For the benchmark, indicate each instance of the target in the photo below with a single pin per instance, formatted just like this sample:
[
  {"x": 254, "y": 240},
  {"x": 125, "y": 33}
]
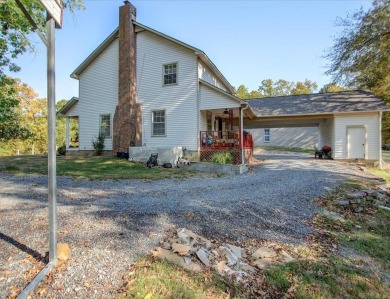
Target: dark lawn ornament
[{"x": 152, "y": 161}]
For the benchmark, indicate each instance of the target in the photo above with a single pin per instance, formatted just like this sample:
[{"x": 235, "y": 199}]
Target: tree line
[
  {"x": 23, "y": 120},
  {"x": 281, "y": 87}
]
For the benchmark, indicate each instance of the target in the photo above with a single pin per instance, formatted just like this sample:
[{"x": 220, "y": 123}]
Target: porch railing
[
  {"x": 224, "y": 140},
  {"x": 219, "y": 139}
]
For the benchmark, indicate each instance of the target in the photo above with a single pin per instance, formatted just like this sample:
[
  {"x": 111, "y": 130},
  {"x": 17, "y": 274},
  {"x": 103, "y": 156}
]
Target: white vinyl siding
[
  {"x": 213, "y": 99},
  {"x": 98, "y": 88},
  {"x": 326, "y": 134},
  {"x": 178, "y": 100},
  {"x": 287, "y": 137},
  {"x": 368, "y": 120},
  {"x": 206, "y": 75},
  {"x": 203, "y": 121}
]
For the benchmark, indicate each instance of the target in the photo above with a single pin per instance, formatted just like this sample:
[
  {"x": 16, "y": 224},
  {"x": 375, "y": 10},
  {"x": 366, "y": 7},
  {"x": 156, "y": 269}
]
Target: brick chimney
[{"x": 127, "y": 125}]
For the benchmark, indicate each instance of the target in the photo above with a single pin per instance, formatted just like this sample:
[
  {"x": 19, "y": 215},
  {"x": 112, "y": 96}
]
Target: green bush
[
  {"x": 222, "y": 158},
  {"x": 98, "y": 144},
  {"x": 61, "y": 150}
]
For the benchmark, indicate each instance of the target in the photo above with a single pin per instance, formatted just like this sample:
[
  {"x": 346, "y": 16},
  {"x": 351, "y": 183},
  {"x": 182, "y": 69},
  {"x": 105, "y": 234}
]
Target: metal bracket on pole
[{"x": 33, "y": 24}]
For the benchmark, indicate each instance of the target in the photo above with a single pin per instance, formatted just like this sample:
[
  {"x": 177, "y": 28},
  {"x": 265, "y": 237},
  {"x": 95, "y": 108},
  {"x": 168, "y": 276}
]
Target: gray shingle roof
[{"x": 318, "y": 103}]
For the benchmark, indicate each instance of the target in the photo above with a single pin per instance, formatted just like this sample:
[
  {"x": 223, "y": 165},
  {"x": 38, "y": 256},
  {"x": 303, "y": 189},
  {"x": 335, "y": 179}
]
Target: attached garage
[{"x": 349, "y": 121}]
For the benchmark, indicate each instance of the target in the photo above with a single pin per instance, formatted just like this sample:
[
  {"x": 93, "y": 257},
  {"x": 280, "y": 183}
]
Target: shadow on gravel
[
  {"x": 35, "y": 254},
  {"x": 274, "y": 201}
]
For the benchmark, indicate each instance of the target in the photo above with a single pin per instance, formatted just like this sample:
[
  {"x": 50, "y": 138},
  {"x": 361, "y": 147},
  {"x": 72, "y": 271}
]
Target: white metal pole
[{"x": 51, "y": 117}]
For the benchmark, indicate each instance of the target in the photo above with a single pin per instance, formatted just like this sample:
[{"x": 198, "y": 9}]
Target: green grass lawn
[
  {"x": 156, "y": 279},
  {"x": 385, "y": 172},
  {"x": 386, "y": 156},
  {"x": 101, "y": 168},
  {"x": 333, "y": 275},
  {"x": 259, "y": 149}
]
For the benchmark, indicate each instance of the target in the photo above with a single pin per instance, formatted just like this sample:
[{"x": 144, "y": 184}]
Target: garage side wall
[
  {"x": 370, "y": 121},
  {"x": 287, "y": 137},
  {"x": 326, "y": 133}
]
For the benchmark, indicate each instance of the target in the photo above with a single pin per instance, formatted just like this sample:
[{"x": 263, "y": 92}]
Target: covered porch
[
  {"x": 221, "y": 125},
  {"x": 223, "y": 132}
]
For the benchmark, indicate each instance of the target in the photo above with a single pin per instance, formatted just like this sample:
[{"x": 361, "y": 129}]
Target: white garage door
[{"x": 356, "y": 142}]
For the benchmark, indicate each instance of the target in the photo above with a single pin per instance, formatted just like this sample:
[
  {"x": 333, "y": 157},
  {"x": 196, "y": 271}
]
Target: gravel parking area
[{"x": 108, "y": 224}]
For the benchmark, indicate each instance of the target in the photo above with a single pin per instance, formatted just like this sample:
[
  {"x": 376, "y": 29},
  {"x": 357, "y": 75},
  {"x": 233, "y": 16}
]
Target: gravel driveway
[{"x": 108, "y": 224}]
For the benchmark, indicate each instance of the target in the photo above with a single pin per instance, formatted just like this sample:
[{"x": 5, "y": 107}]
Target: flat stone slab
[
  {"x": 342, "y": 202},
  {"x": 181, "y": 249},
  {"x": 356, "y": 195},
  {"x": 247, "y": 268},
  {"x": 174, "y": 258},
  {"x": 333, "y": 215},
  {"x": 264, "y": 263},
  {"x": 370, "y": 192},
  {"x": 203, "y": 257},
  {"x": 231, "y": 258},
  {"x": 264, "y": 252},
  {"x": 236, "y": 250},
  {"x": 355, "y": 201}
]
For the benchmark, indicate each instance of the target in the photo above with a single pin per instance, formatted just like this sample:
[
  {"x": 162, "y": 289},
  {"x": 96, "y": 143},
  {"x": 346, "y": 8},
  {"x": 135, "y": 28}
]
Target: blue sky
[{"x": 247, "y": 40}]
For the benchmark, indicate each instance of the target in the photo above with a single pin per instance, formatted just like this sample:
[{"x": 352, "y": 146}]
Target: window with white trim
[
  {"x": 105, "y": 125},
  {"x": 170, "y": 73},
  {"x": 267, "y": 135},
  {"x": 158, "y": 123}
]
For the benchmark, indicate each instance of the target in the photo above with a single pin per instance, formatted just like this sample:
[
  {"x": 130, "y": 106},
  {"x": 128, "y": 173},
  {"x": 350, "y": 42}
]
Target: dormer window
[{"x": 170, "y": 73}]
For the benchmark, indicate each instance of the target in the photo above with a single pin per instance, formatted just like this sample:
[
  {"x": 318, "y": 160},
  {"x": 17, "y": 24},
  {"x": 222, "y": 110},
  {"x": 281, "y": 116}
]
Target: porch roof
[
  {"x": 318, "y": 103},
  {"x": 67, "y": 106},
  {"x": 240, "y": 103}
]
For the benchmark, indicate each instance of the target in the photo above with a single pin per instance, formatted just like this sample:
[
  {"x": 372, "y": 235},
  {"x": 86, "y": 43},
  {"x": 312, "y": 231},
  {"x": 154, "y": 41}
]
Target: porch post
[{"x": 67, "y": 143}]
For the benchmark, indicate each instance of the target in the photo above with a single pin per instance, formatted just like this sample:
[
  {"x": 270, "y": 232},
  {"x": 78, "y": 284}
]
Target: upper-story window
[
  {"x": 267, "y": 135},
  {"x": 170, "y": 73}
]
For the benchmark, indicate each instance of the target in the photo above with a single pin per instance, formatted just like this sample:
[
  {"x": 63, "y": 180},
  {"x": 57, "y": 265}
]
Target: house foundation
[{"x": 165, "y": 154}]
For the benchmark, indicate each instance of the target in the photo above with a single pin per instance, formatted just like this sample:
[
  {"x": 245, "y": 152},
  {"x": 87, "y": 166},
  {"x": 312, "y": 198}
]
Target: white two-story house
[{"x": 147, "y": 91}]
